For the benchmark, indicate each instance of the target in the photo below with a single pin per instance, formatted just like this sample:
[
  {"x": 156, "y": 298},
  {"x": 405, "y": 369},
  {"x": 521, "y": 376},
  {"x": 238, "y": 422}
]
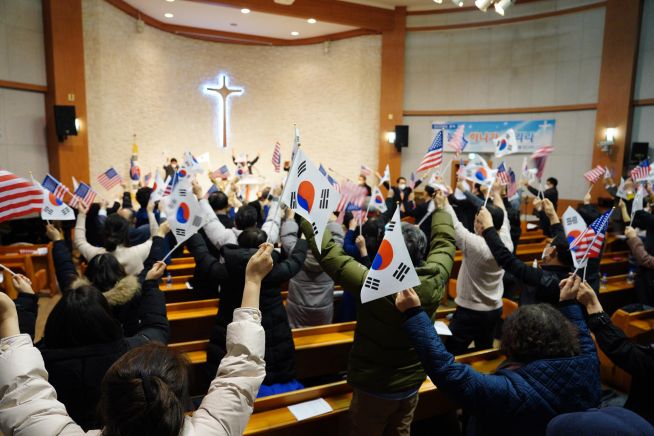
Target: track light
[
  {"x": 502, "y": 5},
  {"x": 483, "y": 5}
]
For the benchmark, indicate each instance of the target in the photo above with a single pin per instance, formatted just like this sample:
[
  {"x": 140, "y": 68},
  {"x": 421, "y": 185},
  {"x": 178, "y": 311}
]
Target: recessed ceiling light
[
  {"x": 245, "y": 11},
  {"x": 294, "y": 33},
  {"x": 168, "y": 15},
  {"x": 311, "y": 21},
  {"x": 438, "y": 1},
  {"x": 170, "y": 1}
]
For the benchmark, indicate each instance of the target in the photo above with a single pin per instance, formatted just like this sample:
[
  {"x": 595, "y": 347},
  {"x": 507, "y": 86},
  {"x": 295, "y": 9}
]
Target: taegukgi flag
[
  {"x": 574, "y": 225},
  {"x": 54, "y": 209},
  {"x": 377, "y": 201},
  {"x": 184, "y": 213},
  {"x": 392, "y": 269},
  {"x": 310, "y": 195}
]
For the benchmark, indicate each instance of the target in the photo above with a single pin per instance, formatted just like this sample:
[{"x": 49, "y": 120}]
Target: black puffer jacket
[{"x": 280, "y": 350}]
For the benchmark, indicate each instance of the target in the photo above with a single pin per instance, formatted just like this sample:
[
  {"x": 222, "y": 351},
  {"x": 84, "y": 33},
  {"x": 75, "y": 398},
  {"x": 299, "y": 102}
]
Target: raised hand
[
  {"x": 484, "y": 220},
  {"x": 157, "y": 271},
  {"x": 260, "y": 264},
  {"x": 406, "y": 300},
  {"x": 8, "y": 317},
  {"x": 569, "y": 288},
  {"x": 22, "y": 284},
  {"x": 630, "y": 232},
  {"x": 587, "y": 296},
  {"x": 163, "y": 230},
  {"x": 53, "y": 233}
]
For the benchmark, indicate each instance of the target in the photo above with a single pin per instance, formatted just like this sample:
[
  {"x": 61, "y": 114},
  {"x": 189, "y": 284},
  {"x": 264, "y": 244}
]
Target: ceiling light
[
  {"x": 483, "y": 5},
  {"x": 294, "y": 33},
  {"x": 438, "y": 1},
  {"x": 502, "y": 5},
  {"x": 170, "y": 1},
  {"x": 311, "y": 21},
  {"x": 168, "y": 15},
  {"x": 459, "y": 3},
  {"x": 245, "y": 11}
]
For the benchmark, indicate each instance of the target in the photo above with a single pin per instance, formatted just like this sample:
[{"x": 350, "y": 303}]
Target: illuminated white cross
[{"x": 224, "y": 91}]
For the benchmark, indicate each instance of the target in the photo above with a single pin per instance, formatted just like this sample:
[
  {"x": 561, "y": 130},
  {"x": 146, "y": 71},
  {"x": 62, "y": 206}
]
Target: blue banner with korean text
[{"x": 479, "y": 136}]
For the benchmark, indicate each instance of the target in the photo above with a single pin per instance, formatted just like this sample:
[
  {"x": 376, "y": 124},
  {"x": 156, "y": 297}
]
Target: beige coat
[{"x": 29, "y": 406}]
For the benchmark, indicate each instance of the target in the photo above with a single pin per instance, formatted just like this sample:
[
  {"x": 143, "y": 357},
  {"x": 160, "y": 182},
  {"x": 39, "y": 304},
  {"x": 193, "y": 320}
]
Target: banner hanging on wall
[{"x": 480, "y": 135}]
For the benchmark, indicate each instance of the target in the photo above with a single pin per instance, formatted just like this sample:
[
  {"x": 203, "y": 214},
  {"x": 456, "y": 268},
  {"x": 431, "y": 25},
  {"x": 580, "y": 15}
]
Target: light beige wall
[
  {"x": 643, "y": 121},
  {"x": 149, "y": 84}
]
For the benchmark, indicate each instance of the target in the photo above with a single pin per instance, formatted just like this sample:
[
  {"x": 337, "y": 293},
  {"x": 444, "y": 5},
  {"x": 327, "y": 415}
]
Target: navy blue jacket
[{"x": 516, "y": 400}]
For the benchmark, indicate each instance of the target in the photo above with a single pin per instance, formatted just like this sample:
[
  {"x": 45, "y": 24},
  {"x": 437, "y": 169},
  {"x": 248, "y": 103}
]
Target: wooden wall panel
[
  {"x": 392, "y": 92},
  {"x": 64, "y": 45},
  {"x": 617, "y": 75}
]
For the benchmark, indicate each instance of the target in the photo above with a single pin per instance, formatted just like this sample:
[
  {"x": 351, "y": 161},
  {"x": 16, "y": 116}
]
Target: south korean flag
[
  {"x": 184, "y": 213},
  {"x": 309, "y": 193},
  {"x": 392, "y": 270},
  {"x": 54, "y": 209},
  {"x": 377, "y": 201},
  {"x": 574, "y": 225}
]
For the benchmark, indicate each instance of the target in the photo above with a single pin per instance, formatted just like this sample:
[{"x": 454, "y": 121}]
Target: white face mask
[{"x": 402, "y": 186}]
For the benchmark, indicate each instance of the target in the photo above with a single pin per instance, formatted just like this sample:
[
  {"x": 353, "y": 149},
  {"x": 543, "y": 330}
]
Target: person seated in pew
[
  {"x": 536, "y": 284},
  {"x": 230, "y": 276},
  {"x": 383, "y": 369},
  {"x": 310, "y": 299},
  {"x": 551, "y": 367},
  {"x": 116, "y": 240},
  {"x": 637, "y": 360},
  {"x": 479, "y": 286},
  {"x": 145, "y": 392},
  {"x": 607, "y": 421}
]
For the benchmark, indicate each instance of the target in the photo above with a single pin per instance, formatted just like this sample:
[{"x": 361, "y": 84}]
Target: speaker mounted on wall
[
  {"x": 401, "y": 137},
  {"x": 65, "y": 122}
]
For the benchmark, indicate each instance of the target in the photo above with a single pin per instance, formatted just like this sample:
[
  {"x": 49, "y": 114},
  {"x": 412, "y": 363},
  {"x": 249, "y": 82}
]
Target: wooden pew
[
  {"x": 191, "y": 318},
  {"x": 35, "y": 261},
  {"x": 272, "y": 417},
  {"x": 634, "y": 324}
]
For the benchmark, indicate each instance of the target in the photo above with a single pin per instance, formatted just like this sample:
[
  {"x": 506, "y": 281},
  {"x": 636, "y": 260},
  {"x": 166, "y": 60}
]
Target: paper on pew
[
  {"x": 309, "y": 409},
  {"x": 188, "y": 285},
  {"x": 442, "y": 329},
  {"x": 531, "y": 226}
]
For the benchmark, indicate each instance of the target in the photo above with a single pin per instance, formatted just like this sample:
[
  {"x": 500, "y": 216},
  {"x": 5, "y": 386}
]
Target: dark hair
[
  {"x": 497, "y": 214},
  {"x": 246, "y": 217},
  {"x": 363, "y": 176},
  {"x": 373, "y": 232},
  {"x": 539, "y": 331},
  {"x": 143, "y": 196},
  {"x": 218, "y": 200},
  {"x": 172, "y": 159},
  {"x": 588, "y": 213},
  {"x": 400, "y": 178},
  {"x": 116, "y": 232},
  {"x": 252, "y": 237},
  {"x": 104, "y": 271},
  {"x": 553, "y": 181},
  {"x": 82, "y": 317},
  {"x": 562, "y": 250},
  {"x": 416, "y": 242},
  {"x": 144, "y": 393}
]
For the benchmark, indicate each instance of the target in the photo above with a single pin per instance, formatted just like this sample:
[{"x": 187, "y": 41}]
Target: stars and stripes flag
[
  {"x": 53, "y": 208},
  {"x": 330, "y": 179},
  {"x": 594, "y": 174},
  {"x": 502, "y": 175},
  {"x": 110, "y": 178},
  {"x": 540, "y": 158},
  {"x": 351, "y": 194},
  {"x": 460, "y": 173},
  {"x": 574, "y": 225},
  {"x": 434, "y": 156},
  {"x": 171, "y": 181},
  {"x": 55, "y": 186},
  {"x": 457, "y": 141},
  {"x": 641, "y": 171},
  {"x": 18, "y": 197},
  {"x": 365, "y": 171},
  {"x": 147, "y": 178},
  {"x": 512, "y": 187},
  {"x": 220, "y": 173},
  {"x": 277, "y": 157},
  {"x": 84, "y": 195},
  {"x": 590, "y": 240}
]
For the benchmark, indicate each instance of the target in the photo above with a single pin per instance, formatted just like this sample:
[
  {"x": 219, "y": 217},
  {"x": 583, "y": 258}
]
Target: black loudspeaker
[
  {"x": 401, "y": 137},
  {"x": 65, "y": 122},
  {"x": 639, "y": 152}
]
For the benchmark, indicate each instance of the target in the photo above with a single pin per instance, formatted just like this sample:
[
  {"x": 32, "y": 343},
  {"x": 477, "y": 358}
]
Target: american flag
[
  {"x": 18, "y": 196},
  {"x": 462, "y": 169},
  {"x": 365, "y": 171},
  {"x": 147, "y": 178},
  {"x": 332, "y": 181},
  {"x": 540, "y": 157},
  {"x": 512, "y": 187},
  {"x": 277, "y": 157},
  {"x": 84, "y": 194},
  {"x": 590, "y": 240},
  {"x": 351, "y": 194},
  {"x": 434, "y": 156},
  {"x": 220, "y": 173},
  {"x": 172, "y": 181},
  {"x": 502, "y": 175},
  {"x": 55, "y": 186},
  {"x": 457, "y": 141},
  {"x": 109, "y": 179},
  {"x": 594, "y": 174},
  {"x": 641, "y": 171}
]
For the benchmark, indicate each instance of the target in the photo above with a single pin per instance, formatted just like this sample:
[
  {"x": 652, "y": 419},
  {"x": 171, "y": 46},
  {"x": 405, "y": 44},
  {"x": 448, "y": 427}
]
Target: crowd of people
[{"x": 102, "y": 365}]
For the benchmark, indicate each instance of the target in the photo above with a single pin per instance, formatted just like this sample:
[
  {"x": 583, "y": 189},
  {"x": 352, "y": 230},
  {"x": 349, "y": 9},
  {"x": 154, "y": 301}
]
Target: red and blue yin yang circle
[
  {"x": 384, "y": 256},
  {"x": 574, "y": 234},
  {"x": 183, "y": 213},
  {"x": 481, "y": 174},
  {"x": 379, "y": 199},
  {"x": 54, "y": 200},
  {"x": 305, "y": 195},
  {"x": 503, "y": 144},
  {"x": 182, "y": 173}
]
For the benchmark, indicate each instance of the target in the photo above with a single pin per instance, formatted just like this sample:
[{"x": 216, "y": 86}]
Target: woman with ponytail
[{"x": 145, "y": 392}]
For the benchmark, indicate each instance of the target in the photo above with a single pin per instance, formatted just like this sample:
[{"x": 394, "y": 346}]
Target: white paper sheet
[
  {"x": 309, "y": 409},
  {"x": 442, "y": 328}
]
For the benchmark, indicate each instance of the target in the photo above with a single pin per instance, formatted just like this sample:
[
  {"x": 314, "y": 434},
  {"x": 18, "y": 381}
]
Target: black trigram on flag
[
  {"x": 390, "y": 226},
  {"x": 372, "y": 283},
  {"x": 324, "y": 198},
  {"x": 180, "y": 232},
  {"x": 293, "y": 200},
  {"x": 315, "y": 229},
  {"x": 401, "y": 272},
  {"x": 48, "y": 210},
  {"x": 182, "y": 192},
  {"x": 301, "y": 168},
  {"x": 197, "y": 221},
  {"x": 65, "y": 211}
]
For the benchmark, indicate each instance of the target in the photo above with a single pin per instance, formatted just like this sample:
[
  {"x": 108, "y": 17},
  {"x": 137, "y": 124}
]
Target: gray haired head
[{"x": 416, "y": 242}]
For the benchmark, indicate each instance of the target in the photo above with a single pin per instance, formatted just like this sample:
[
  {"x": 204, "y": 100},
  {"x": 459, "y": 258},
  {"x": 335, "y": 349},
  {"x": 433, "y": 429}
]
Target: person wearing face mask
[
  {"x": 364, "y": 184},
  {"x": 539, "y": 285},
  {"x": 550, "y": 192},
  {"x": 402, "y": 195}
]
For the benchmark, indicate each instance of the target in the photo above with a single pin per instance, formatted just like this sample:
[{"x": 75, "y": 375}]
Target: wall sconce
[
  {"x": 609, "y": 140},
  {"x": 78, "y": 124},
  {"x": 390, "y": 137}
]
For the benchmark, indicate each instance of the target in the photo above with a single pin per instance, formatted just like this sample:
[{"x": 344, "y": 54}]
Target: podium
[{"x": 251, "y": 183}]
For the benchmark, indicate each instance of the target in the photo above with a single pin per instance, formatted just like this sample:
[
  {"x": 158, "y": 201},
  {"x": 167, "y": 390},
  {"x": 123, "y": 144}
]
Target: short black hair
[
  {"x": 246, "y": 217},
  {"x": 218, "y": 200},
  {"x": 252, "y": 237},
  {"x": 143, "y": 196},
  {"x": 116, "y": 232},
  {"x": 104, "y": 271},
  {"x": 562, "y": 250},
  {"x": 173, "y": 160},
  {"x": 400, "y": 178},
  {"x": 553, "y": 181}
]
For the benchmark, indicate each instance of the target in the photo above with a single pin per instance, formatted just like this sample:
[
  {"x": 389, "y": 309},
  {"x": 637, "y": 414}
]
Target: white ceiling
[
  {"x": 412, "y": 5},
  {"x": 206, "y": 16}
]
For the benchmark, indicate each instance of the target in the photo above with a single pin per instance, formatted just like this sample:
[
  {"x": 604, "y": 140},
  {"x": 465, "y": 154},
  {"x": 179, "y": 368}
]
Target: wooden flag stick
[
  {"x": 8, "y": 270},
  {"x": 171, "y": 251}
]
